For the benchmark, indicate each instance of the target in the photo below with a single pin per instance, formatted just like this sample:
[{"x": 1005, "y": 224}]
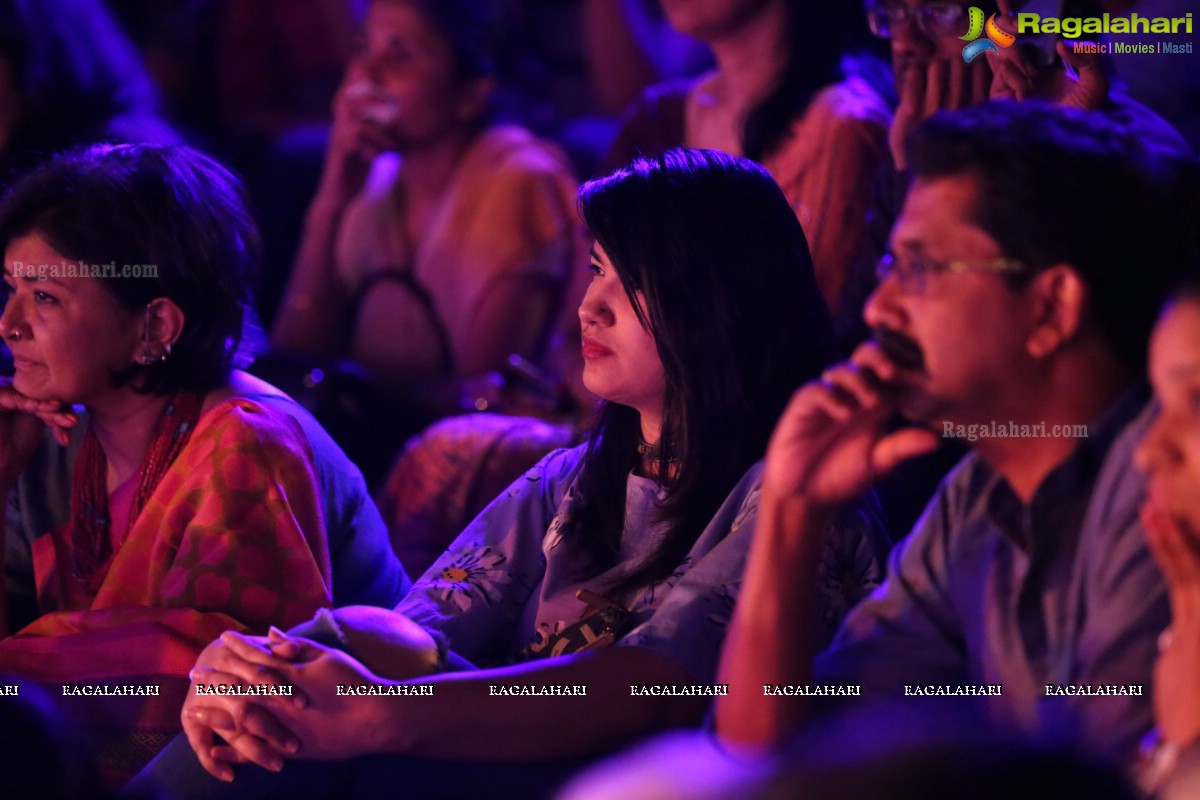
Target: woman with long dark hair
[{"x": 613, "y": 564}]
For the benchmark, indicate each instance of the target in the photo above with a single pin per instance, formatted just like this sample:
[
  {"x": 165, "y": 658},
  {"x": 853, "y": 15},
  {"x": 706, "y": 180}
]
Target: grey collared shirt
[{"x": 1057, "y": 592}]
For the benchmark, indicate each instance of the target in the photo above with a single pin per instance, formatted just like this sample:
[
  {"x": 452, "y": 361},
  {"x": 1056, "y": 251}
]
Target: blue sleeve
[
  {"x": 472, "y": 597},
  {"x": 689, "y": 626},
  {"x": 365, "y": 569},
  {"x": 907, "y": 630}
]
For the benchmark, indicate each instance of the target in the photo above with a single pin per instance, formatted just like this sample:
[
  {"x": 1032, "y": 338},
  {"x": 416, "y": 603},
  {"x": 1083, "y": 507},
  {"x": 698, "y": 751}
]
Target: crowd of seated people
[
  {"x": 807, "y": 101},
  {"x": 1000, "y": 304},
  {"x": 809, "y": 301},
  {"x": 635, "y": 539},
  {"x": 778, "y": 95}
]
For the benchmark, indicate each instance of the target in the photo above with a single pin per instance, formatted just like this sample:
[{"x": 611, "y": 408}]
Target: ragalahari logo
[{"x": 996, "y": 38}]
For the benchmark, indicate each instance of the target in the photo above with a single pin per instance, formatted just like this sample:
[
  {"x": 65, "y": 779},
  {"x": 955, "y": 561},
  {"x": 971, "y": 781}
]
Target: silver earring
[{"x": 149, "y": 357}]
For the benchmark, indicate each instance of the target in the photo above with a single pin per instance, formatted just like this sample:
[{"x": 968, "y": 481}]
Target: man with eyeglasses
[
  {"x": 931, "y": 74},
  {"x": 1026, "y": 269},
  {"x": 927, "y": 62}
]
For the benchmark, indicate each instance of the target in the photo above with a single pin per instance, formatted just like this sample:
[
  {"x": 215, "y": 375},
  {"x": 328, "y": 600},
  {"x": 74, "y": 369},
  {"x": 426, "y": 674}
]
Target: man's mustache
[{"x": 902, "y": 350}]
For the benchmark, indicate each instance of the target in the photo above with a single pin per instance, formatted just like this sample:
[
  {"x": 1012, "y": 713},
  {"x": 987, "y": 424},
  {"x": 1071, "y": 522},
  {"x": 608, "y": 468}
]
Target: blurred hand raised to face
[
  {"x": 927, "y": 62},
  {"x": 830, "y": 444},
  {"x": 362, "y": 114},
  {"x": 932, "y": 75}
]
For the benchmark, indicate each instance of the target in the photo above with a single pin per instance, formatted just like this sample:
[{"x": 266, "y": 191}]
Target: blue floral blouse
[{"x": 508, "y": 582}]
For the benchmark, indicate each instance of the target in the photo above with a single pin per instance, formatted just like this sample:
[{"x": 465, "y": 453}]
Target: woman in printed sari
[
  {"x": 157, "y": 495},
  {"x": 609, "y": 565}
]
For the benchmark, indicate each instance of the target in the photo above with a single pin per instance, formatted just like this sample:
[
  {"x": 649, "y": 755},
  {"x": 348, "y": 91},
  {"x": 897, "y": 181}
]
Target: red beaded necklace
[{"x": 91, "y": 539}]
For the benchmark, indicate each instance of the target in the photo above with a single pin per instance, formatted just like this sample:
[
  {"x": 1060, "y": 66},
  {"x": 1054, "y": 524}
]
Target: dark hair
[
  {"x": 1062, "y": 186},
  {"x": 75, "y": 71},
  {"x": 469, "y": 27},
  {"x": 738, "y": 321},
  {"x": 820, "y": 34},
  {"x": 166, "y": 206}
]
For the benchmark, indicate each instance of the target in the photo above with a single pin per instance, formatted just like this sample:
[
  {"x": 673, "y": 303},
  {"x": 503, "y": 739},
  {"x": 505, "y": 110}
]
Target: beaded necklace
[
  {"x": 91, "y": 540},
  {"x": 653, "y": 452}
]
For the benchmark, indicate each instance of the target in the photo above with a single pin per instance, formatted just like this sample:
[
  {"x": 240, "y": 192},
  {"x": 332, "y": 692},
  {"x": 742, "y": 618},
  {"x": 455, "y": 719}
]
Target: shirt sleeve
[
  {"x": 837, "y": 198},
  {"x": 906, "y": 631},
  {"x": 516, "y": 256},
  {"x": 364, "y": 568},
  {"x": 472, "y": 597},
  {"x": 689, "y": 625},
  {"x": 1117, "y": 645}
]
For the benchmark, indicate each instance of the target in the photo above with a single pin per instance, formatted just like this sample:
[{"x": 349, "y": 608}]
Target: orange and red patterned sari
[{"x": 232, "y": 537}]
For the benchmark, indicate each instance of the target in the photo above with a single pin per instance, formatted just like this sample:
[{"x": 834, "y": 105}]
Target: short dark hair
[
  {"x": 1063, "y": 186},
  {"x": 167, "y": 206},
  {"x": 713, "y": 246}
]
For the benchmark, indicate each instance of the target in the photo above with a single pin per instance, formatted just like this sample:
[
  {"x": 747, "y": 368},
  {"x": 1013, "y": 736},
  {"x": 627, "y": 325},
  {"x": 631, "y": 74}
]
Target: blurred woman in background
[
  {"x": 437, "y": 244},
  {"x": 785, "y": 93}
]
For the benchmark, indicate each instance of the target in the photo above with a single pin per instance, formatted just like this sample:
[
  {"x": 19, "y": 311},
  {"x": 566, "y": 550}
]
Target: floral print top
[{"x": 508, "y": 583}]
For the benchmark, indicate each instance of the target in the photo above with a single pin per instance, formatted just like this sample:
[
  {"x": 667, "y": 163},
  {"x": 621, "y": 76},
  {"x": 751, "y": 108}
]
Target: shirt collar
[{"x": 1071, "y": 476}]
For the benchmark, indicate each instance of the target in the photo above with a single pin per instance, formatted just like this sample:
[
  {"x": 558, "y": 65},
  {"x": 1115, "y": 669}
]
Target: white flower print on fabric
[
  {"x": 846, "y": 573},
  {"x": 470, "y": 575},
  {"x": 554, "y": 535}
]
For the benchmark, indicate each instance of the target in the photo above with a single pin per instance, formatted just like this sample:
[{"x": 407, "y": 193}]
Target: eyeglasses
[
  {"x": 912, "y": 273},
  {"x": 933, "y": 19}
]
